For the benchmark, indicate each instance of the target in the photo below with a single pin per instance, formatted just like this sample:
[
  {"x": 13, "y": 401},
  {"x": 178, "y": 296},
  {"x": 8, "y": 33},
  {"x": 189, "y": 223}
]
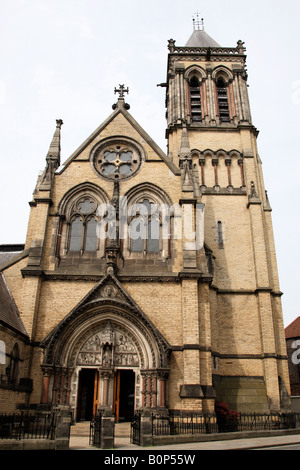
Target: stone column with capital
[
  {"x": 106, "y": 375},
  {"x": 47, "y": 372},
  {"x": 107, "y": 420}
]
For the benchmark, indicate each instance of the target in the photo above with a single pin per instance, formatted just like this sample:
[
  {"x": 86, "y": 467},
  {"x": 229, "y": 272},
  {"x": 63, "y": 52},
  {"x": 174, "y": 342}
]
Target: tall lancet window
[
  {"x": 223, "y": 101},
  {"x": 83, "y": 225},
  {"x": 195, "y": 99},
  {"x": 145, "y": 228}
]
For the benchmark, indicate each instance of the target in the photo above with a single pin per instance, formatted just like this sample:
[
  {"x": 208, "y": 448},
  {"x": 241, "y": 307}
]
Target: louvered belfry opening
[
  {"x": 223, "y": 101},
  {"x": 195, "y": 95}
]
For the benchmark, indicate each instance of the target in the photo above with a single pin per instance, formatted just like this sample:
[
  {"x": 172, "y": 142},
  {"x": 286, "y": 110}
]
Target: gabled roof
[
  {"x": 293, "y": 329},
  {"x": 121, "y": 107},
  {"x": 108, "y": 292},
  {"x": 200, "y": 38},
  {"x": 9, "y": 313}
]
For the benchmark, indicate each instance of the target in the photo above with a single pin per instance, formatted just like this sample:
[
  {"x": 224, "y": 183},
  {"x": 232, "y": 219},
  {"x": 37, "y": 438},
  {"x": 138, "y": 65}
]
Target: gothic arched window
[
  {"x": 79, "y": 228},
  {"x": 83, "y": 226},
  {"x": 149, "y": 223},
  {"x": 195, "y": 99},
  {"x": 223, "y": 100},
  {"x": 145, "y": 228}
]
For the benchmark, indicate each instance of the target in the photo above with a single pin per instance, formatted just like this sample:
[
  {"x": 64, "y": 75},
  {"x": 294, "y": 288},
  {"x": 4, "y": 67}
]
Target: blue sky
[{"x": 62, "y": 59}]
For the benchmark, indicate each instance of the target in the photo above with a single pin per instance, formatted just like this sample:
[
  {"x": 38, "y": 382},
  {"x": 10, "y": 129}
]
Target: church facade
[{"x": 149, "y": 279}]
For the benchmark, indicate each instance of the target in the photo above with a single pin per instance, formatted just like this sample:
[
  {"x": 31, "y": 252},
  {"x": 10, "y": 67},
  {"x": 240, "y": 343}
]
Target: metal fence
[
  {"x": 27, "y": 426},
  {"x": 196, "y": 423},
  {"x": 135, "y": 430},
  {"x": 95, "y": 430},
  {"x": 187, "y": 423}
]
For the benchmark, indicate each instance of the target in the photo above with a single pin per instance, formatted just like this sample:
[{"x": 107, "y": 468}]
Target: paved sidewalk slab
[{"x": 80, "y": 441}]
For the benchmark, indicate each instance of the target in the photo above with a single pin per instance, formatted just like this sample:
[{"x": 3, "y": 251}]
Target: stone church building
[{"x": 149, "y": 279}]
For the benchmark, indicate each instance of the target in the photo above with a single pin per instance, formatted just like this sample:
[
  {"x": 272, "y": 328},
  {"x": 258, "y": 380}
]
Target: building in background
[
  {"x": 149, "y": 279},
  {"x": 292, "y": 335}
]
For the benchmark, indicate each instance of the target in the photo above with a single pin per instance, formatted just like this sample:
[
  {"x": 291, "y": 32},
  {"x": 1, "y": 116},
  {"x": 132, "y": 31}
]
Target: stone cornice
[
  {"x": 176, "y": 277},
  {"x": 256, "y": 291}
]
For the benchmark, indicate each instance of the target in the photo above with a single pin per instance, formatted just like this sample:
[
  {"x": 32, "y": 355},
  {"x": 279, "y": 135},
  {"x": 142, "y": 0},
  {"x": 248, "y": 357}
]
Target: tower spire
[{"x": 52, "y": 158}]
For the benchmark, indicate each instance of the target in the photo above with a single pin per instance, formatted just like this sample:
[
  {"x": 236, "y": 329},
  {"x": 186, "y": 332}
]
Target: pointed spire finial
[
  {"x": 121, "y": 90},
  {"x": 121, "y": 101},
  {"x": 52, "y": 158},
  {"x": 198, "y": 24}
]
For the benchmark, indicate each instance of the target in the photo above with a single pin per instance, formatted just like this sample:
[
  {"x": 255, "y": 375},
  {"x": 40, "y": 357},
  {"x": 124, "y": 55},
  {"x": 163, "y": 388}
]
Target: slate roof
[
  {"x": 200, "y": 38},
  {"x": 293, "y": 329},
  {"x": 9, "y": 313},
  {"x": 7, "y": 252}
]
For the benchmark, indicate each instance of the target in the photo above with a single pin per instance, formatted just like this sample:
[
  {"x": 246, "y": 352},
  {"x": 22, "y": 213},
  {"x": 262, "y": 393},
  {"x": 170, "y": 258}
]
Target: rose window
[{"x": 117, "y": 162}]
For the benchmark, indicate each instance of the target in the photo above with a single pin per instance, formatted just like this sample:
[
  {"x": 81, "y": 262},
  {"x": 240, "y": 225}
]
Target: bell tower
[
  {"x": 206, "y": 88},
  {"x": 212, "y": 139}
]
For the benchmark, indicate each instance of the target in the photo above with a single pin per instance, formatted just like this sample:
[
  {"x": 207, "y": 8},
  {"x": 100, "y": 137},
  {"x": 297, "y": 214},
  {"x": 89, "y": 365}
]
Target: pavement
[{"x": 79, "y": 440}]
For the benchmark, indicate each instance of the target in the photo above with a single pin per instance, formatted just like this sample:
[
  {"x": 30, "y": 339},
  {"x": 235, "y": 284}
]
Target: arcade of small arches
[
  {"x": 222, "y": 79},
  {"x": 219, "y": 169},
  {"x": 207, "y": 96}
]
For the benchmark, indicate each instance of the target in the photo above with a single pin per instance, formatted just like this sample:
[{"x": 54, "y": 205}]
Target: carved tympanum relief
[{"x": 108, "y": 348}]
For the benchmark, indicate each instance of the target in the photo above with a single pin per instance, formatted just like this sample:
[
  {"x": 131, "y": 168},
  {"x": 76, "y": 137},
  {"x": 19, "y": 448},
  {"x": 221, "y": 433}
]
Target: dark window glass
[
  {"x": 126, "y": 156},
  {"x": 76, "y": 234},
  {"x": 109, "y": 170},
  {"x": 110, "y": 156},
  {"x": 124, "y": 169},
  {"x": 195, "y": 97},
  {"x": 91, "y": 236},
  {"x": 223, "y": 101},
  {"x": 220, "y": 234},
  {"x": 137, "y": 234},
  {"x": 153, "y": 235}
]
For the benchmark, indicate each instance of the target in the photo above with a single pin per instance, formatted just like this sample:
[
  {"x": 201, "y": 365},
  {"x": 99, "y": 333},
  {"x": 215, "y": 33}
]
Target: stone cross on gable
[{"x": 121, "y": 90}]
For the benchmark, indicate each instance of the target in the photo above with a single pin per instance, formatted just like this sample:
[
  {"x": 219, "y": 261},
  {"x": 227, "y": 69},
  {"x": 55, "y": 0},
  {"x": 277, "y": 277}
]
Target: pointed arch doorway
[{"x": 108, "y": 352}]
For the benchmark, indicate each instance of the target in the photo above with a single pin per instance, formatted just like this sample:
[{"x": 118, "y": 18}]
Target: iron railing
[
  {"x": 95, "y": 430},
  {"x": 135, "y": 429},
  {"x": 27, "y": 426},
  {"x": 197, "y": 423},
  {"x": 187, "y": 423}
]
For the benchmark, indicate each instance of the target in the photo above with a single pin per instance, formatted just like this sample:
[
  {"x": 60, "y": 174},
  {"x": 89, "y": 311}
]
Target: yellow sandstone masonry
[{"x": 171, "y": 324}]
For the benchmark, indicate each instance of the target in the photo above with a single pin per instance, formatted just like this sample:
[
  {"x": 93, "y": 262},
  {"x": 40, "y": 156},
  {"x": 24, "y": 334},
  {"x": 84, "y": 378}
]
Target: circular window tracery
[{"x": 117, "y": 160}]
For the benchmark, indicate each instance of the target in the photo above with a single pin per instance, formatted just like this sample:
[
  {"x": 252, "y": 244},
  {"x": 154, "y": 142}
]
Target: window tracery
[
  {"x": 79, "y": 219},
  {"x": 117, "y": 158},
  {"x": 83, "y": 225},
  {"x": 149, "y": 223},
  {"x": 145, "y": 228}
]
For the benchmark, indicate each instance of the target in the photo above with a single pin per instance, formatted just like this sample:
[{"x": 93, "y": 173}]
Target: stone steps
[{"x": 82, "y": 429}]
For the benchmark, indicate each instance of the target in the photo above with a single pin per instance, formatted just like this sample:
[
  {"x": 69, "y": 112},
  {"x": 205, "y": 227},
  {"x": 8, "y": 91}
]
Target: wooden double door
[
  {"x": 89, "y": 394},
  {"x": 123, "y": 404}
]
